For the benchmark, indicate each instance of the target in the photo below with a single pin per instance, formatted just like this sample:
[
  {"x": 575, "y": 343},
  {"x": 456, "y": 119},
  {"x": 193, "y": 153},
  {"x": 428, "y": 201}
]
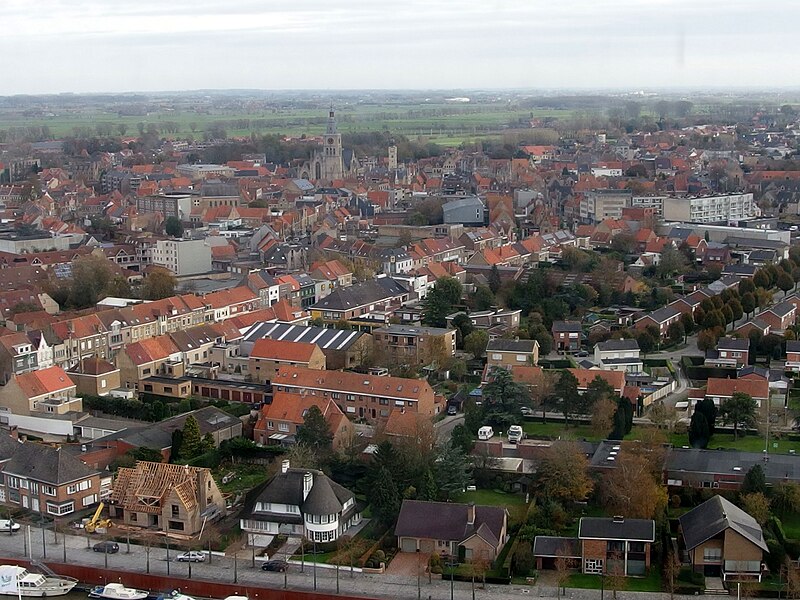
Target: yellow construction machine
[{"x": 96, "y": 523}]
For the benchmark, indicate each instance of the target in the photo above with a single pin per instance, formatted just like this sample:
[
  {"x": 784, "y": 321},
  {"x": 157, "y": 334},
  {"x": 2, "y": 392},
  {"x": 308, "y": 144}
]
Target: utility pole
[
  {"x": 44, "y": 547},
  {"x": 167, "y": 556},
  {"x": 314, "y": 564}
]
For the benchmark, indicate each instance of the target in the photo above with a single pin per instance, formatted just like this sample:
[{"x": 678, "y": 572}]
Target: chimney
[
  {"x": 471, "y": 513},
  {"x": 284, "y": 466},
  {"x": 308, "y": 481}
]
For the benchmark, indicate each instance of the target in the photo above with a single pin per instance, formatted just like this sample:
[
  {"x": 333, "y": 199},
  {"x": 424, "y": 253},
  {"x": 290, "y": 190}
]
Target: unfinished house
[{"x": 175, "y": 499}]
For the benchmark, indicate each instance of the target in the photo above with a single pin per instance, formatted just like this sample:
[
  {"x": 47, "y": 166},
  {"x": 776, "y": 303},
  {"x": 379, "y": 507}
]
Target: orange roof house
[
  {"x": 279, "y": 421},
  {"x": 48, "y": 391}
]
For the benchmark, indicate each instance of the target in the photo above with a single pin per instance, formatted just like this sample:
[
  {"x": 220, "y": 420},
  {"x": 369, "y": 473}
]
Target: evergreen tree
[
  {"x": 623, "y": 419},
  {"x": 739, "y": 409},
  {"x": 569, "y": 400},
  {"x": 755, "y": 481},
  {"x": 441, "y": 301},
  {"x": 385, "y": 497},
  {"x": 453, "y": 471},
  {"x": 709, "y": 410},
  {"x": 175, "y": 447},
  {"x": 191, "y": 444},
  {"x": 494, "y": 279},
  {"x": 315, "y": 432},
  {"x": 462, "y": 438},
  {"x": 503, "y": 398},
  {"x": 698, "y": 430}
]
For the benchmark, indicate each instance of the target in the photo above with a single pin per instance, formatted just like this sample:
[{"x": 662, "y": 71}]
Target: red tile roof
[
  {"x": 44, "y": 381},
  {"x": 756, "y": 388},
  {"x": 268, "y": 349}
]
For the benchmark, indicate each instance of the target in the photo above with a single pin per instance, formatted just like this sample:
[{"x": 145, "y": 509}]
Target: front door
[{"x": 35, "y": 504}]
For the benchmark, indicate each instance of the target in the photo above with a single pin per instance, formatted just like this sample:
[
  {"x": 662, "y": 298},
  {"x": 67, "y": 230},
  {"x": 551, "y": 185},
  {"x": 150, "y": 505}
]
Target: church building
[{"x": 330, "y": 162}]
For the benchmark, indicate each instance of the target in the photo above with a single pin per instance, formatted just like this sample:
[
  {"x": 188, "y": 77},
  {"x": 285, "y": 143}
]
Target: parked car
[
  {"x": 191, "y": 556},
  {"x": 485, "y": 433},
  {"x": 452, "y": 410},
  {"x": 107, "y": 547},
  {"x": 275, "y": 565},
  {"x": 527, "y": 411},
  {"x": 8, "y": 525},
  {"x": 515, "y": 434}
]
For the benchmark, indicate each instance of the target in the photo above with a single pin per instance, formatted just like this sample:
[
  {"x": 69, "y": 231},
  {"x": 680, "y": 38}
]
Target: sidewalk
[{"x": 225, "y": 569}]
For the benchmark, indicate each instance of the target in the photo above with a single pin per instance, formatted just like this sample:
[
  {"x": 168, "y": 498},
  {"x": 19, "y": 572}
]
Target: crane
[{"x": 96, "y": 522}]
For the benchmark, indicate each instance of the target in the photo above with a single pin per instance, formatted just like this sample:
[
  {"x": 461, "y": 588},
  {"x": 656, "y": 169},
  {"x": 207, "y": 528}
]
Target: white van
[
  {"x": 8, "y": 525},
  {"x": 515, "y": 434},
  {"x": 485, "y": 433}
]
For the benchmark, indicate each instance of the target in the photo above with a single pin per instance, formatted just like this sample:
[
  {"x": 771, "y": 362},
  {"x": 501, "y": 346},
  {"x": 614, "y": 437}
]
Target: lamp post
[
  {"x": 167, "y": 556},
  {"x": 235, "y": 569},
  {"x": 314, "y": 564},
  {"x": 419, "y": 587},
  {"x": 44, "y": 547}
]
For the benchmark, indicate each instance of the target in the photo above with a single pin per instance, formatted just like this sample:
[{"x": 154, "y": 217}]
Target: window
[
  {"x": 49, "y": 490},
  {"x": 712, "y": 554},
  {"x": 133, "y": 517},
  {"x": 283, "y": 427},
  {"x": 176, "y": 525},
  {"x": 270, "y": 425},
  {"x": 71, "y": 489},
  {"x": 60, "y": 509},
  {"x": 89, "y": 500},
  {"x": 175, "y": 510}
]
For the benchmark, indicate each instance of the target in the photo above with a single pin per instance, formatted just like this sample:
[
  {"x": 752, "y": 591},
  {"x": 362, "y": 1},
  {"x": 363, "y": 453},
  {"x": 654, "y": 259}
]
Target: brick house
[
  {"x": 661, "y": 319},
  {"x": 507, "y": 353},
  {"x": 730, "y": 352},
  {"x": 720, "y": 390},
  {"x": 615, "y": 545},
  {"x": 95, "y": 376},
  {"x": 442, "y": 527},
  {"x": 279, "y": 421},
  {"x": 47, "y": 480},
  {"x": 414, "y": 345},
  {"x": 793, "y": 356},
  {"x": 48, "y": 391},
  {"x": 723, "y": 541},
  {"x": 616, "y": 379},
  {"x": 780, "y": 317},
  {"x": 359, "y": 396},
  {"x": 267, "y": 356},
  {"x": 567, "y": 336}
]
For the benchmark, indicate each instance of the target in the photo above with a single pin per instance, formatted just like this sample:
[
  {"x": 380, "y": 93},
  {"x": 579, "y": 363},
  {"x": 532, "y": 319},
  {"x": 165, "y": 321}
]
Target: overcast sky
[{"x": 141, "y": 45}]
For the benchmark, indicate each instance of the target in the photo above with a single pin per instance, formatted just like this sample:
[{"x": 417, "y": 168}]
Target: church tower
[
  {"x": 392, "y": 156},
  {"x": 332, "y": 160}
]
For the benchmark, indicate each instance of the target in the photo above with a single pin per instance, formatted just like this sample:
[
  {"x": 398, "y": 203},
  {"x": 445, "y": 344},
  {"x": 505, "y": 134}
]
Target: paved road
[
  {"x": 445, "y": 427},
  {"x": 74, "y": 549}
]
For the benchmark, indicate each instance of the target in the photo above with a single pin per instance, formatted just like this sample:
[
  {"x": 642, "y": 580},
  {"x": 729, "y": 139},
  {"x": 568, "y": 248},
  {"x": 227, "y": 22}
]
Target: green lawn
[
  {"x": 649, "y": 583},
  {"x": 247, "y": 477},
  {"x": 514, "y": 503},
  {"x": 748, "y": 443},
  {"x": 791, "y": 525},
  {"x": 582, "y": 431},
  {"x": 490, "y": 498}
]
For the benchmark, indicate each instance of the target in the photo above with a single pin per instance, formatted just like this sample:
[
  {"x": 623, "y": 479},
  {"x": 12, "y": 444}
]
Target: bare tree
[
  {"x": 564, "y": 566},
  {"x": 615, "y": 578}
]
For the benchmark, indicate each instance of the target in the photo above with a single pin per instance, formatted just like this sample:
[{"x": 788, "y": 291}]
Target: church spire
[{"x": 331, "y": 122}]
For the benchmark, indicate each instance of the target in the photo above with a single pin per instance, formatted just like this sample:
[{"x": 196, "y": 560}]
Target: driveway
[{"x": 405, "y": 564}]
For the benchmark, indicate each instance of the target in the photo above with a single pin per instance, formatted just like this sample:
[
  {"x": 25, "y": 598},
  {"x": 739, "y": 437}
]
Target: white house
[
  {"x": 618, "y": 355},
  {"x": 300, "y": 502}
]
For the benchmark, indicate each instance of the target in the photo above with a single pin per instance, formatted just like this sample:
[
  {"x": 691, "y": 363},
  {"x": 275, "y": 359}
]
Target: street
[{"x": 76, "y": 549}]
